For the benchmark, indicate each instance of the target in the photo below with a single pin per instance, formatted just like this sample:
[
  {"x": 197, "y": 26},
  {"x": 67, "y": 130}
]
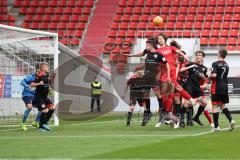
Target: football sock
[
  {"x": 42, "y": 119},
  {"x": 49, "y": 115},
  {"x": 215, "y": 119},
  {"x": 37, "y": 119},
  {"x": 25, "y": 114},
  {"x": 227, "y": 114},
  {"x": 207, "y": 114},
  {"x": 178, "y": 109},
  {"x": 199, "y": 112}
]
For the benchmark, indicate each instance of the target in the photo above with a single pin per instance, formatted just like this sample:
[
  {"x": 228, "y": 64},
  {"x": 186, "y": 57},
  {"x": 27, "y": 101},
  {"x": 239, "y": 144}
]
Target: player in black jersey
[
  {"x": 152, "y": 72},
  {"x": 219, "y": 89},
  {"x": 41, "y": 100},
  {"x": 136, "y": 93},
  {"x": 197, "y": 74}
]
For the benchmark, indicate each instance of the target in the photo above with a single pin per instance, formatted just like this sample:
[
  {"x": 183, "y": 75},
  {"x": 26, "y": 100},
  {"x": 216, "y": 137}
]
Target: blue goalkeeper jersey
[{"x": 28, "y": 90}]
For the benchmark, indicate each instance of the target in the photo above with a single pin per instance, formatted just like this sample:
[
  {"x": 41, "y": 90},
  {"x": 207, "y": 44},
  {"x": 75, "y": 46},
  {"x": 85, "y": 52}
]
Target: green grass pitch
[{"x": 108, "y": 138}]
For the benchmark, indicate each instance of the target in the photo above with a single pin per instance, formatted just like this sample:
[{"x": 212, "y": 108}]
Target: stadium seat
[
  {"x": 81, "y": 26},
  {"x": 172, "y": 18},
  {"x": 188, "y": 25},
  {"x": 203, "y": 3},
  {"x": 185, "y": 3},
  {"x": 224, "y": 33},
  {"x": 209, "y": 17},
  {"x": 147, "y": 10},
  {"x": 151, "y": 26},
  {"x": 205, "y": 33},
  {"x": 140, "y": 3},
  {"x": 164, "y": 10},
  {"x": 126, "y": 18},
  {"x": 133, "y": 26},
  {"x": 222, "y": 41},
  {"x": 198, "y": 25},
  {"x": 183, "y": 10},
  {"x": 142, "y": 26},
  {"x": 230, "y": 2},
  {"x": 173, "y": 10},
  {"x": 191, "y": 17},
  {"x": 181, "y": 18},
  {"x": 149, "y": 3},
  {"x": 156, "y": 10},
  {"x": 137, "y": 10},
  {"x": 128, "y": 10},
  {"x": 179, "y": 25},
  {"x": 227, "y": 17},
  {"x": 114, "y": 26},
  {"x": 236, "y": 9},
  {"x": 56, "y": 18},
  {"x": 78, "y": 33},
  {"x": 200, "y": 17},
  {"x": 219, "y": 10},
  {"x": 50, "y": 10},
  {"x": 131, "y": 33},
  {"x": 123, "y": 26},
  {"x": 234, "y": 33},
  {"x": 226, "y": 25},
  {"x": 112, "y": 34},
  {"x": 43, "y": 25},
  {"x": 218, "y": 17},
  {"x": 211, "y": 10},
  {"x": 170, "y": 25},
  {"x": 121, "y": 34},
  {"x": 71, "y": 26},
  {"x": 176, "y": 3},
  {"x": 213, "y": 41},
  {"x": 201, "y": 10},
  {"x": 229, "y": 9},
  {"x": 215, "y": 33},
  {"x": 135, "y": 18},
  {"x": 232, "y": 41},
  {"x": 235, "y": 25},
  {"x": 75, "y": 41},
  {"x": 53, "y": 26},
  {"x": 216, "y": 25},
  {"x": 120, "y": 11},
  {"x": 34, "y": 3},
  {"x": 236, "y": 17},
  {"x": 71, "y": 3}
]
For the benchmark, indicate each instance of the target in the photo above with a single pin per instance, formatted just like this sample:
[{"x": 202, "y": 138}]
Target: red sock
[
  {"x": 206, "y": 113},
  {"x": 185, "y": 94},
  {"x": 169, "y": 102}
]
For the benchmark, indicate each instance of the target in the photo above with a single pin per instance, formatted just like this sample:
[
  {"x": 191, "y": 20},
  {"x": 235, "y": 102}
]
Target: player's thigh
[{"x": 28, "y": 101}]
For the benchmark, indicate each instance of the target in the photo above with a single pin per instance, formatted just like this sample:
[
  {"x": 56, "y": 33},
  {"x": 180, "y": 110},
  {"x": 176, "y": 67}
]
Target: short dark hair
[
  {"x": 165, "y": 37},
  {"x": 152, "y": 41},
  {"x": 203, "y": 53},
  {"x": 222, "y": 53},
  {"x": 175, "y": 44}
]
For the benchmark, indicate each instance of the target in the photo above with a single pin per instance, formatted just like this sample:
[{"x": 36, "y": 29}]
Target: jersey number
[{"x": 224, "y": 70}]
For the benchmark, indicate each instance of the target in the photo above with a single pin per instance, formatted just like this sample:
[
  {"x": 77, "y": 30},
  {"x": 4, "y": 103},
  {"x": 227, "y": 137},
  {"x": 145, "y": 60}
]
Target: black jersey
[
  {"x": 220, "y": 82},
  {"x": 135, "y": 83},
  {"x": 152, "y": 62},
  {"x": 194, "y": 73},
  {"x": 42, "y": 90}
]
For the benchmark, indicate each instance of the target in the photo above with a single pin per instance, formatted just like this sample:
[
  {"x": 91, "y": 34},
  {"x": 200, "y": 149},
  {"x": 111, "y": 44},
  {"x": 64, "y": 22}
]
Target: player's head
[
  {"x": 162, "y": 39},
  {"x": 199, "y": 56},
  {"x": 151, "y": 44},
  {"x": 175, "y": 44},
  {"x": 44, "y": 66},
  {"x": 181, "y": 58},
  {"x": 222, "y": 53},
  {"x": 95, "y": 79}
]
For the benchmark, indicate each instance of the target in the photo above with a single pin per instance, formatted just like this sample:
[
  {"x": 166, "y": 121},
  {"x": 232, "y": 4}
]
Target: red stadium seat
[
  {"x": 58, "y": 10},
  {"x": 137, "y": 10},
  {"x": 140, "y": 3},
  {"x": 156, "y": 10},
  {"x": 28, "y": 18},
  {"x": 32, "y": 10},
  {"x": 112, "y": 34},
  {"x": 203, "y": 3},
  {"x": 230, "y": 2},
  {"x": 231, "y": 48},
  {"x": 121, "y": 34},
  {"x": 188, "y": 25},
  {"x": 78, "y": 33},
  {"x": 117, "y": 18},
  {"x": 204, "y": 41},
  {"x": 164, "y": 10},
  {"x": 80, "y": 3},
  {"x": 43, "y": 25},
  {"x": 26, "y": 25},
  {"x": 133, "y": 26},
  {"x": 62, "y": 3},
  {"x": 236, "y": 9},
  {"x": 89, "y": 3},
  {"x": 135, "y": 18},
  {"x": 43, "y": 3},
  {"x": 147, "y": 10},
  {"x": 209, "y": 17},
  {"x": 87, "y": 11},
  {"x": 75, "y": 41},
  {"x": 226, "y": 25},
  {"x": 198, "y": 25},
  {"x": 205, "y": 33},
  {"x": 167, "y": 3},
  {"x": 131, "y": 3},
  {"x": 200, "y": 17},
  {"x": 183, "y": 10},
  {"x": 128, "y": 10},
  {"x": 123, "y": 26},
  {"x": 50, "y": 10},
  {"x": 41, "y": 10},
  {"x": 170, "y": 25},
  {"x": 151, "y": 26},
  {"x": 211, "y": 10},
  {"x": 224, "y": 33},
  {"x": 173, "y": 10},
  {"x": 35, "y": 25},
  {"x": 71, "y": 26},
  {"x": 62, "y": 26},
  {"x": 181, "y": 17},
  {"x": 176, "y": 3},
  {"x": 238, "y": 2},
  {"x": 149, "y": 3},
  {"x": 227, "y": 17},
  {"x": 201, "y": 10},
  {"x": 144, "y": 18},
  {"x": 84, "y": 18},
  {"x": 215, "y": 33},
  {"x": 172, "y": 17},
  {"x": 34, "y": 3},
  {"x": 179, "y": 25},
  {"x": 74, "y": 18},
  {"x": 53, "y": 26},
  {"x": 68, "y": 10},
  {"x": 236, "y": 17},
  {"x": 235, "y": 25},
  {"x": 38, "y": 18},
  {"x": 131, "y": 33},
  {"x": 222, "y": 41},
  {"x": 213, "y": 41},
  {"x": 219, "y": 10},
  {"x": 126, "y": 18},
  {"x": 229, "y": 9},
  {"x": 232, "y": 41},
  {"x": 115, "y": 26},
  {"x": 190, "y": 17},
  {"x": 71, "y": 3},
  {"x": 194, "y": 3},
  {"x": 218, "y": 17},
  {"x": 234, "y": 33},
  {"x": 77, "y": 11},
  {"x": 81, "y": 26},
  {"x": 56, "y": 18},
  {"x": 122, "y": 3},
  {"x": 207, "y": 25},
  {"x": 185, "y": 3},
  {"x": 120, "y": 10},
  {"x": 216, "y": 25},
  {"x": 221, "y": 2},
  {"x": 142, "y": 26}
]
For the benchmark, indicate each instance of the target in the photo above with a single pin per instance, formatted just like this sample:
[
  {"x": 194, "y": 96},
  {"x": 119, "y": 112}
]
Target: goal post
[{"x": 20, "y": 50}]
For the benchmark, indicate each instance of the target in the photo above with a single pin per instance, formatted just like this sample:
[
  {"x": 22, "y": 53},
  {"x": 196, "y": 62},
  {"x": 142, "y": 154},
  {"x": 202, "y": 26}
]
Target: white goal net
[{"x": 20, "y": 51}]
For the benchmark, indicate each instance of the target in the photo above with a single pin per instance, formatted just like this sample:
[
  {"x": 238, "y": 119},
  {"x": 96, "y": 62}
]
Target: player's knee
[{"x": 45, "y": 110}]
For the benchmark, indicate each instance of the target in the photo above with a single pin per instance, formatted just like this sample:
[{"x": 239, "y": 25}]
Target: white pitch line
[{"x": 203, "y": 133}]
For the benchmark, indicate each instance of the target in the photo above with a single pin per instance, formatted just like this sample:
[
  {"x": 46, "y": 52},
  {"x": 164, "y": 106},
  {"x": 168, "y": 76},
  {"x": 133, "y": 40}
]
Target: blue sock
[
  {"x": 37, "y": 119},
  {"x": 25, "y": 115}
]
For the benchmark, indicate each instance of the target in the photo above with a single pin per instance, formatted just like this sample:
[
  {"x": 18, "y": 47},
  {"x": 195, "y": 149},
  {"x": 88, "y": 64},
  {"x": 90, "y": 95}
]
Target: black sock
[
  {"x": 199, "y": 112},
  {"x": 215, "y": 119},
  {"x": 189, "y": 115},
  {"x": 129, "y": 117},
  {"x": 42, "y": 119},
  {"x": 183, "y": 110},
  {"x": 178, "y": 109},
  {"x": 147, "y": 102},
  {"x": 160, "y": 103},
  {"x": 227, "y": 114},
  {"x": 49, "y": 115}
]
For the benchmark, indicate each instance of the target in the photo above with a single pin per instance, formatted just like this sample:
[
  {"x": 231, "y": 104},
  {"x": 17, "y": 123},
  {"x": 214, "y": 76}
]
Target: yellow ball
[{"x": 157, "y": 20}]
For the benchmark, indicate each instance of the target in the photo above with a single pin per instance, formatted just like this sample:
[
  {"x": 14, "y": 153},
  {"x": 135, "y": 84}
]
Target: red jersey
[{"x": 169, "y": 52}]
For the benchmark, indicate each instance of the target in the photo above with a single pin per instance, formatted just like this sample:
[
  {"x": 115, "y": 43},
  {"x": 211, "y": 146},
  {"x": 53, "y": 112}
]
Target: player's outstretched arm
[
  {"x": 34, "y": 84},
  {"x": 185, "y": 68},
  {"x": 182, "y": 54},
  {"x": 125, "y": 90}
]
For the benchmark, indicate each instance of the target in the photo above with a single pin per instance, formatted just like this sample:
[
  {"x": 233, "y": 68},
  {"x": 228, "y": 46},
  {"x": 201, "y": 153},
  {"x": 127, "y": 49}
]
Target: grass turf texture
[{"x": 108, "y": 138}]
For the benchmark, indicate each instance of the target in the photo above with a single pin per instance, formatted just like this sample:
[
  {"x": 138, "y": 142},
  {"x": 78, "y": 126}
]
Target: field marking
[{"x": 224, "y": 129}]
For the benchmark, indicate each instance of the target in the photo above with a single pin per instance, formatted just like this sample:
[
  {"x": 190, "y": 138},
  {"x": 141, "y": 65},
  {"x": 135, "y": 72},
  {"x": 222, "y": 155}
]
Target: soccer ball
[{"x": 157, "y": 20}]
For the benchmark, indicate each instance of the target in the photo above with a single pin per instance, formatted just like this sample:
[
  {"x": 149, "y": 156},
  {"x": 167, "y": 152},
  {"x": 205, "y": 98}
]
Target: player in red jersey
[{"x": 171, "y": 53}]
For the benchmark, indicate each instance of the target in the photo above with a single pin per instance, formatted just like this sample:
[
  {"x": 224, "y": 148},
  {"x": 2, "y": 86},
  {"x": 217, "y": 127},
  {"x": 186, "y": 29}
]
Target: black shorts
[
  {"x": 218, "y": 99},
  {"x": 42, "y": 103},
  {"x": 193, "y": 89},
  {"x": 136, "y": 96},
  {"x": 150, "y": 82}
]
